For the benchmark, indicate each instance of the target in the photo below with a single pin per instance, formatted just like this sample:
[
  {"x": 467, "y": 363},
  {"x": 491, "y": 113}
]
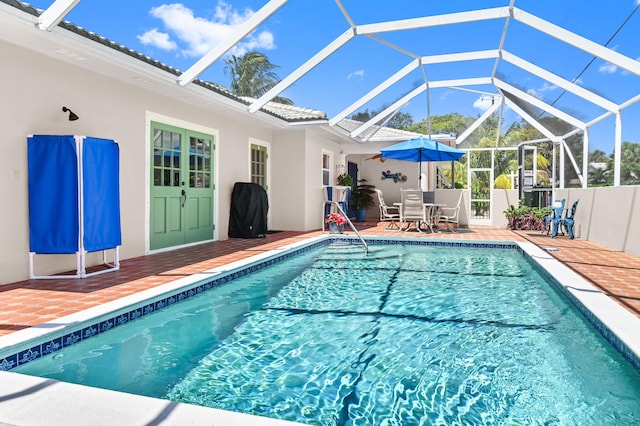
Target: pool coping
[{"x": 20, "y": 393}]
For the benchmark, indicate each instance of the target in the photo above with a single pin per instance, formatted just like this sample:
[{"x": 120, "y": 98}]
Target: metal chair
[
  {"x": 556, "y": 211},
  {"x": 413, "y": 210},
  {"x": 565, "y": 223},
  {"x": 388, "y": 213},
  {"x": 451, "y": 215}
]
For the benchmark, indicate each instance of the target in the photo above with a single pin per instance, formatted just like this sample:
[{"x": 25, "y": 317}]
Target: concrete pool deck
[{"x": 604, "y": 277}]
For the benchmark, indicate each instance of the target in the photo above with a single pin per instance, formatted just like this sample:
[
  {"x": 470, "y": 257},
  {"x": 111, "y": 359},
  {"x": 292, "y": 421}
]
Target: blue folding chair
[
  {"x": 558, "y": 207},
  {"x": 566, "y": 223}
]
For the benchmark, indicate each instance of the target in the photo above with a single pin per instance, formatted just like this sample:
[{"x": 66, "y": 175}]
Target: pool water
[{"x": 404, "y": 335}]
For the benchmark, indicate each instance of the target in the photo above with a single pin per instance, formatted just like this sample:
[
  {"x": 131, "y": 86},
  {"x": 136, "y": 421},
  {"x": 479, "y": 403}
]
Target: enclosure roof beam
[
  {"x": 459, "y": 57},
  {"x": 460, "y": 82},
  {"x": 560, "y": 82},
  {"x": 434, "y": 21},
  {"x": 539, "y": 103},
  {"x": 395, "y": 106},
  {"x": 478, "y": 122},
  {"x": 240, "y": 32},
  {"x": 528, "y": 118},
  {"x": 375, "y": 92},
  {"x": 577, "y": 41},
  {"x": 323, "y": 54},
  {"x": 55, "y": 13}
]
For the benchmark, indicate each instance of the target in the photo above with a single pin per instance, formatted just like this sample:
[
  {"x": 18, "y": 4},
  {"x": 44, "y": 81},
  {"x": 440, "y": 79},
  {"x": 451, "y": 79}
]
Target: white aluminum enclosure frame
[{"x": 59, "y": 8}]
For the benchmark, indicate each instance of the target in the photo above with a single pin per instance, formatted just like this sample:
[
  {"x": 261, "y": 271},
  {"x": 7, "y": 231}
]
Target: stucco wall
[
  {"x": 40, "y": 86},
  {"x": 287, "y": 207},
  {"x": 606, "y": 216},
  {"x": 315, "y": 145}
]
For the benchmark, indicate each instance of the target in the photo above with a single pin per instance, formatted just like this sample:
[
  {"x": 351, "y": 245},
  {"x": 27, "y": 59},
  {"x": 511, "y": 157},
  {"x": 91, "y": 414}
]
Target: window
[
  {"x": 326, "y": 168},
  {"x": 259, "y": 165}
]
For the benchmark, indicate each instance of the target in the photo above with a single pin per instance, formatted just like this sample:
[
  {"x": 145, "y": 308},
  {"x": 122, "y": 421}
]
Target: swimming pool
[{"x": 429, "y": 333}]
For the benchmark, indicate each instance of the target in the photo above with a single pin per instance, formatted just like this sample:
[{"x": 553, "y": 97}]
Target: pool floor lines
[{"x": 414, "y": 317}]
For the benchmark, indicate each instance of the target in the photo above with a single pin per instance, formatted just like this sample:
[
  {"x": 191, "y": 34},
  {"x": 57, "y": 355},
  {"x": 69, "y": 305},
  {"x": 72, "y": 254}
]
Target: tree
[
  {"x": 400, "y": 120},
  {"x": 448, "y": 123},
  {"x": 630, "y": 167},
  {"x": 253, "y": 75}
]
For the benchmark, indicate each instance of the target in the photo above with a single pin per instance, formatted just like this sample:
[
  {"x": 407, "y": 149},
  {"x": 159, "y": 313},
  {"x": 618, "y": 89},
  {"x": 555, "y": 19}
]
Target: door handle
[{"x": 184, "y": 197}]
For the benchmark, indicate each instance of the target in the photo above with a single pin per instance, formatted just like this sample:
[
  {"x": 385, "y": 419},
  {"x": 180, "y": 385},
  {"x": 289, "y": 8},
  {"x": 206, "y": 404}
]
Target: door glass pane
[
  {"x": 199, "y": 162},
  {"x": 166, "y": 157},
  {"x": 259, "y": 165}
]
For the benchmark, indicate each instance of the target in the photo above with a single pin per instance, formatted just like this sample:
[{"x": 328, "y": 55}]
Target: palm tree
[{"x": 252, "y": 75}]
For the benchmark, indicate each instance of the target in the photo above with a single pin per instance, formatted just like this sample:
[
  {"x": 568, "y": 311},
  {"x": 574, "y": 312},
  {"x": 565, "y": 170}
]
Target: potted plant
[
  {"x": 345, "y": 180},
  {"x": 362, "y": 199},
  {"x": 336, "y": 222}
]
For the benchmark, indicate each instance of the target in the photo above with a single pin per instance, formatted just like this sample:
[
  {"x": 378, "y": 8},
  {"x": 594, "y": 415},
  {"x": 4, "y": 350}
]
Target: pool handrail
[{"x": 344, "y": 215}]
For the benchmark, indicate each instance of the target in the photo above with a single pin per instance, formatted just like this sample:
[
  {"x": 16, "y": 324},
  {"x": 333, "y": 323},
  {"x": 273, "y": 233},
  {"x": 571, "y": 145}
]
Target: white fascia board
[
  {"x": 478, "y": 122},
  {"x": 539, "y": 127},
  {"x": 434, "y": 21},
  {"x": 458, "y": 57},
  {"x": 460, "y": 82},
  {"x": 577, "y": 41},
  {"x": 396, "y": 105},
  {"x": 376, "y": 91},
  {"x": 302, "y": 70},
  {"x": 55, "y": 13},
  {"x": 234, "y": 38},
  {"x": 538, "y": 103},
  {"x": 560, "y": 82}
]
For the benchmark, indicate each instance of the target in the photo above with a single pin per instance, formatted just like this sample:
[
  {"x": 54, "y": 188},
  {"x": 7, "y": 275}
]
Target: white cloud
[
  {"x": 356, "y": 74},
  {"x": 608, "y": 68},
  {"x": 156, "y": 38},
  {"x": 197, "y": 35},
  {"x": 483, "y": 103},
  {"x": 547, "y": 87},
  {"x": 534, "y": 92}
]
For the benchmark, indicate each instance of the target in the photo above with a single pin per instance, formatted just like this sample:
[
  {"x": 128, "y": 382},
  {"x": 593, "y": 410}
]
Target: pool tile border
[{"x": 126, "y": 315}]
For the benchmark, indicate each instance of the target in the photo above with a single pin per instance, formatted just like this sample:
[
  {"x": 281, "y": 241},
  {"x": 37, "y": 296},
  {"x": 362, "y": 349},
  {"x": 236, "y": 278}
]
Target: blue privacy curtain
[
  {"x": 54, "y": 218},
  {"x": 53, "y": 194},
  {"x": 100, "y": 174}
]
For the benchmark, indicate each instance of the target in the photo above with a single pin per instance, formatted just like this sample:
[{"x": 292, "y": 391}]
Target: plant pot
[
  {"x": 334, "y": 228},
  {"x": 361, "y": 215}
]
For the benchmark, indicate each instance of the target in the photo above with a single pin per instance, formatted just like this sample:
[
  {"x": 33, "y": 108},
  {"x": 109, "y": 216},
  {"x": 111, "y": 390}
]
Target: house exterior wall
[
  {"x": 39, "y": 86},
  {"x": 315, "y": 145},
  {"x": 288, "y": 183}
]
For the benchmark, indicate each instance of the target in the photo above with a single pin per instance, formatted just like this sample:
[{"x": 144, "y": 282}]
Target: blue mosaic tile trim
[
  {"x": 614, "y": 340},
  {"x": 56, "y": 343},
  {"x": 430, "y": 243}
]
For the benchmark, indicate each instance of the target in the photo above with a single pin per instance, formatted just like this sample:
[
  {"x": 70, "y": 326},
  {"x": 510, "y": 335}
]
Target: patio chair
[
  {"x": 388, "y": 213},
  {"x": 413, "y": 209},
  {"x": 451, "y": 215},
  {"x": 556, "y": 211},
  {"x": 566, "y": 223}
]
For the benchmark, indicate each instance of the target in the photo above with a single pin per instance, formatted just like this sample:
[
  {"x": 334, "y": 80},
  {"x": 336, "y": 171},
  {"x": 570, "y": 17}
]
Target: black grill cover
[{"x": 249, "y": 207}]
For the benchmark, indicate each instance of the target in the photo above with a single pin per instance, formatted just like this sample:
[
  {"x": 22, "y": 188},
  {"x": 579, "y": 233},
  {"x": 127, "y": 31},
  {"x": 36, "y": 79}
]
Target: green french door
[{"x": 181, "y": 186}]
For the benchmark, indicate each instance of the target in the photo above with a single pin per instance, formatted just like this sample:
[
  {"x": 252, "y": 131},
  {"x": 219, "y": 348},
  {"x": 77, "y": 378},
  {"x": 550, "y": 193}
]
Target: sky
[{"x": 179, "y": 33}]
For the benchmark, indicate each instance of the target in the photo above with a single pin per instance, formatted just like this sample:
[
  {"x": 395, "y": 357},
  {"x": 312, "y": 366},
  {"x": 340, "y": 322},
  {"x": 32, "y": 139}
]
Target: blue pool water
[{"x": 405, "y": 335}]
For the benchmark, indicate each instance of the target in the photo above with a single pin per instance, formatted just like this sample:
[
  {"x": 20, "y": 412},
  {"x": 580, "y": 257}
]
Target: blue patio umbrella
[{"x": 421, "y": 149}]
